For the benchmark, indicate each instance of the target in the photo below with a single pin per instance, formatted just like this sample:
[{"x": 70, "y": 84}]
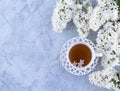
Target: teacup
[{"x": 79, "y": 56}]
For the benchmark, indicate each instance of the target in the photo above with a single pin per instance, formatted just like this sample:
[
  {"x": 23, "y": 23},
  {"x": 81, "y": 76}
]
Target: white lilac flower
[
  {"x": 118, "y": 43},
  {"x": 107, "y": 44},
  {"x": 107, "y": 78},
  {"x": 110, "y": 60},
  {"x": 79, "y": 11},
  {"x": 106, "y": 37},
  {"x": 105, "y": 10},
  {"x": 81, "y": 15},
  {"x": 62, "y": 15},
  {"x": 79, "y": 65}
]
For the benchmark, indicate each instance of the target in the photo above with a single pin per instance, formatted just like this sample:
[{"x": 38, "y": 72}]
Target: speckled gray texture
[{"x": 29, "y": 49}]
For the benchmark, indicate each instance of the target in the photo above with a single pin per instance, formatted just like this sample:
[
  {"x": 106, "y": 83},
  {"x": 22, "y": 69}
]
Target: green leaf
[
  {"x": 118, "y": 87},
  {"x": 119, "y": 78},
  {"x": 114, "y": 53},
  {"x": 118, "y": 3},
  {"x": 118, "y": 82},
  {"x": 62, "y": 10},
  {"x": 84, "y": 9},
  {"x": 117, "y": 74},
  {"x": 78, "y": 2},
  {"x": 114, "y": 81}
]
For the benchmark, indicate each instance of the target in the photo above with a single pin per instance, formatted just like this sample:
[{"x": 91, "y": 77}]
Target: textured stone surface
[{"x": 29, "y": 49}]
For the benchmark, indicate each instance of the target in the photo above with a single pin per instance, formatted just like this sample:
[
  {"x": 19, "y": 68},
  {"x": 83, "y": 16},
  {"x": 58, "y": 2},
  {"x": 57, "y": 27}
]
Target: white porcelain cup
[
  {"x": 94, "y": 54},
  {"x": 69, "y": 66}
]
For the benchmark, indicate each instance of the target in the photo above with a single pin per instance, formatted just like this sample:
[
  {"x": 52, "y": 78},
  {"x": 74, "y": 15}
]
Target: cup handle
[{"x": 98, "y": 54}]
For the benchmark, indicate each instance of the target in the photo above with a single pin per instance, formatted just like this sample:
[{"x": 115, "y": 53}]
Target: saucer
[{"x": 68, "y": 65}]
